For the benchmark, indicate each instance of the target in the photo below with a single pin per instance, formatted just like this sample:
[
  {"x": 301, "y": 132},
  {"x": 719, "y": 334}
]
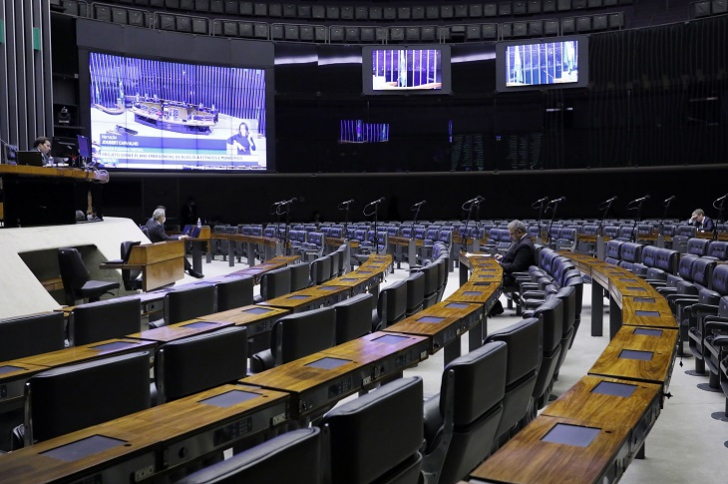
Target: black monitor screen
[
  {"x": 556, "y": 63},
  {"x": 406, "y": 69},
  {"x": 152, "y": 114}
]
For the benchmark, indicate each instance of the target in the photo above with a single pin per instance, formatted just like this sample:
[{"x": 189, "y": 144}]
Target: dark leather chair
[
  {"x": 461, "y": 421},
  {"x": 567, "y": 295},
  {"x": 415, "y": 293},
  {"x": 524, "y": 359},
  {"x": 130, "y": 277},
  {"x": 33, "y": 335},
  {"x": 296, "y": 336},
  {"x": 191, "y": 365},
  {"x": 335, "y": 264},
  {"x": 391, "y": 306},
  {"x": 432, "y": 283},
  {"x": 234, "y": 292},
  {"x": 74, "y": 397},
  {"x": 300, "y": 278},
  {"x": 376, "y": 438},
  {"x": 443, "y": 266},
  {"x": 292, "y": 457},
  {"x": 353, "y": 317},
  {"x": 274, "y": 284},
  {"x": 697, "y": 246},
  {"x": 77, "y": 283},
  {"x": 320, "y": 270},
  {"x": 697, "y": 316},
  {"x": 190, "y": 303},
  {"x": 551, "y": 314},
  {"x": 103, "y": 320}
]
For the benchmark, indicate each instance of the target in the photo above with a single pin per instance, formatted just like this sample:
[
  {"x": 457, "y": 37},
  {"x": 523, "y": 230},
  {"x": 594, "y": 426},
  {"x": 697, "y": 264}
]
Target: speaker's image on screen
[
  {"x": 409, "y": 69},
  {"x": 150, "y": 114},
  {"x": 539, "y": 64}
]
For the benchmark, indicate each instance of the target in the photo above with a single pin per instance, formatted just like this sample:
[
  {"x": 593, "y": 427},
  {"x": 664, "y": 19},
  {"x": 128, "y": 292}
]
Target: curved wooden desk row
[
  {"x": 159, "y": 440},
  {"x": 593, "y": 431},
  {"x": 272, "y": 246}
]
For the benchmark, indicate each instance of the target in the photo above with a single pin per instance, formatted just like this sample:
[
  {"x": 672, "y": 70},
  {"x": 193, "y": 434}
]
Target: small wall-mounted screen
[{"x": 406, "y": 69}]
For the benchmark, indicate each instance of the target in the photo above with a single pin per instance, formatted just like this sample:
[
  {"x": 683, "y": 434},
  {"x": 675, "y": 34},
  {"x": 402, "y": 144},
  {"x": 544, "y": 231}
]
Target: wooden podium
[{"x": 161, "y": 263}]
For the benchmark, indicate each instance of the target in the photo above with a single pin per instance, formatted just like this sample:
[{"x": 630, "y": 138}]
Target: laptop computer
[
  {"x": 191, "y": 230},
  {"x": 29, "y": 158}
]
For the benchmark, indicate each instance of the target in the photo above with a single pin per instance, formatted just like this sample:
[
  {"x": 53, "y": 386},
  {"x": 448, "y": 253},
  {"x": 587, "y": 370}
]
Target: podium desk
[
  {"x": 319, "y": 380},
  {"x": 150, "y": 443},
  {"x": 442, "y": 324},
  {"x": 257, "y": 319},
  {"x": 639, "y": 354},
  {"x": 161, "y": 263},
  {"x": 555, "y": 450},
  {"x": 182, "y": 330},
  {"x": 309, "y": 298}
]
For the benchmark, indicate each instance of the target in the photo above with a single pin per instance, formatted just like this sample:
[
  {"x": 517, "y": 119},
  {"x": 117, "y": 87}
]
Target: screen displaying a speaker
[
  {"x": 556, "y": 63},
  {"x": 406, "y": 69},
  {"x": 152, "y": 114}
]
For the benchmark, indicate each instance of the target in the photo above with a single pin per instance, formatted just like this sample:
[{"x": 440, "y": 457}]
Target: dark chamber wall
[{"x": 652, "y": 102}]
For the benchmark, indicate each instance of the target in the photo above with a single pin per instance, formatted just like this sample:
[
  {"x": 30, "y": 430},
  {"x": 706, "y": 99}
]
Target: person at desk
[
  {"x": 155, "y": 227},
  {"x": 520, "y": 256},
  {"x": 43, "y": 145},
  {"x": 700, "y": 221},
  {"x": 242, "y": 143}
]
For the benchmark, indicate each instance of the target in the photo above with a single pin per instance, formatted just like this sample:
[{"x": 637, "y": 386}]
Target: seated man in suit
[
  {"x": 703, "y": 223},
  {"x": 155, "y": 227},
  {"x": 43, "y": 145},
  {"x": 519, "y": 257}
]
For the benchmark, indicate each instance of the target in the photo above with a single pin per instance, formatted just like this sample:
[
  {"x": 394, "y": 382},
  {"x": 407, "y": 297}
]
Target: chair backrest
[
  {"x": 301, "y": 334},
  {"x": 551, "y": 314},
  {"x": 275, "y": 283},
  {"x": 292, "y": 457},
  {"x": 396, "y": 301},
  {"x": 190, "y": 303},
  {"x": 74, "y": 273},
  {"x": 432, "y": 278},
  {"x": 353, "y": 317},
  {"x": 31, "y": 335},
  {"x": 299, "y": 276},
  {"x": 649, "y": 253},
  {"x": 128, "y": 276},
  {"x": 320, "y": 270},
  {"x": 666, "y": 260},
  {"x": 630, "y": 252},
  {"x": 524, "y": 358},
  {"x": 697, "y": 246},
  {"x": 191, "y": 365},
  {"x": 685, "y": 266},
  {"x": 375, "y": 454},
  {"x": 476, "y": 414},
  {"x": 718, "y": 249},
  {"x": 335, "y": 263},
  {"x": 614, "y": 249},
  {"x": 102, "y": 320},
  {"x": 70, "y": 398},
  {"x": 234, "y": 292},
  {"x": 720, "y": 279},
  {"x": 415, "y": 292}
]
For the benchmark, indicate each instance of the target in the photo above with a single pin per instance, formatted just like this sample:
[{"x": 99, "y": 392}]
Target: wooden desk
[
  {"x": 399, "y": 243},
  {"x": 319, "y": 380},
  {"x": 257, "y": 319},
  {"x": 13, "y": 375},
  {"x": 153, "y": 442},
  {"x": 640, "y": 354},
  {"x": 528, "y": 459},
  {"x": 272, "y": 246},
  {"x": 338, "y": 242},
  {"x": 442, "y": 324},
  {"x": 258, "y": 271},
  {"x": 650, "y": 311},
  {"x": 182, "y": 330},
  {"x": 197, "y": 243},
  {"x": 161, "y": 263},
  {"x": 92, "y": 351},
  {"x": 355, "y": 282},
  {"x": 309, "y": 298}
]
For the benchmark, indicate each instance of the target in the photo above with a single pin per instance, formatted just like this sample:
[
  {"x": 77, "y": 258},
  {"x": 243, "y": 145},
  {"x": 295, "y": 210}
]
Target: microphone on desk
[{"x": 419, "y": 204}]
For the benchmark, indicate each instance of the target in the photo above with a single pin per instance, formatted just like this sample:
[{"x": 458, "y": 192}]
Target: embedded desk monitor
[
  {"x": 398, "y": 70},
  {"x": 555, "y": 63},
  {"x": 84, "y": 146}
]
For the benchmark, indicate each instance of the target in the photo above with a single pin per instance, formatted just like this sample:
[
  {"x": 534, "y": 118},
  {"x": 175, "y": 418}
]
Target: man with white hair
[
  {"x": 703, "y": 223},
  {"x": 520, "y": 256},
  {"x": 155, "y": 227}
]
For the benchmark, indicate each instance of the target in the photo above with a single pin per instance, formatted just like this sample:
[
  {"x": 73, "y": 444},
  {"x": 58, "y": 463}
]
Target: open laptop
[
  {"x": 126, "y": 255},
  {"x": 191, "y": 231},
  {"x": 29, "y": 158}
]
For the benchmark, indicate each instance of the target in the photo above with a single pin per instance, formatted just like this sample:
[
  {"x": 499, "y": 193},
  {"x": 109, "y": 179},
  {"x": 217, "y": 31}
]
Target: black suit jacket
[
  {"x": 519, "y": 257},
  {"x": 706, "y": 225},
  {"x": 157, "y": 232}
]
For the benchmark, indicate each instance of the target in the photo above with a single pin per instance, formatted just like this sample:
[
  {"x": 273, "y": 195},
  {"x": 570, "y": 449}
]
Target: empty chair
[
  {"x": 630, "y": 253},
  {"x": 299, "y": 277},
  {"x": 415, "y": 292},
  {"x": 472, "y": 391},
  {"x": 443, "y": 267},
  {"x": 718, "y": 249},
  {"x": 551, "y": 314},
  {"x": 335, "y": 264},
  {"x": 647, "y": 260},
  {"x": 345, "y": 262},
  {"x": 432, "y": 281},
  {"x": 698, "y": 315},
  {"x": 292, "y": 457},
  {"x": 77, "y": 283},
  {"x": 391, "y": 306},
  {"x": 296, "y": 336},
  {"x": 234, "y": 292},
  {"x": 191, "y": 365},
  {"x": 189, "y": 303},
  {"x": 102, "y": 320},
  {"x": 376, "y": 438},
  {"x": 613, "y": 251},
  {"x": 697, "y": 246},
  {"x": 33, "y": 335},
  {"x": 130, "y": 277},
  {"x": 524, "y": 358},
  {"x": 74, "y": 397},
  {"x": 353, "y": 317},
  {"x": 320, "y": 270},
  {"x": 274, "y": 284}
]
